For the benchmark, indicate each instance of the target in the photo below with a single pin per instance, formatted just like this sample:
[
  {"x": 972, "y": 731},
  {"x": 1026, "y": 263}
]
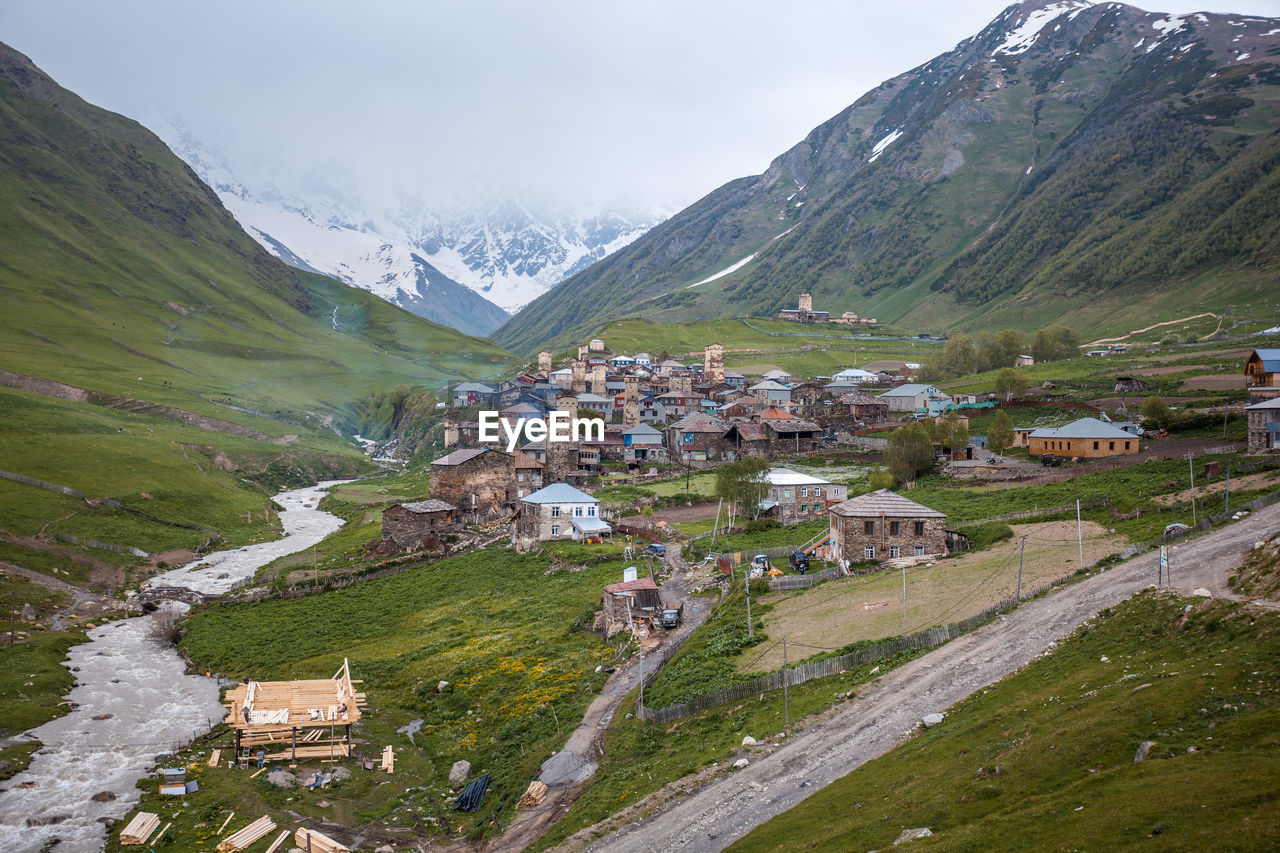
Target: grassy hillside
[
  {"x": 1044, "y": 759},
  {"x": 1109, "y": 175},
  {"x": 122, "y": 275}
]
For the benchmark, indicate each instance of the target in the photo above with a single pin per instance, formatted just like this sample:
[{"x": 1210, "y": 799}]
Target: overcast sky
[{"x": 595, "y": 101}]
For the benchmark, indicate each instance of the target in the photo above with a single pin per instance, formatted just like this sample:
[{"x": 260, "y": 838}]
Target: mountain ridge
[{"x": 1001, "y": 181}]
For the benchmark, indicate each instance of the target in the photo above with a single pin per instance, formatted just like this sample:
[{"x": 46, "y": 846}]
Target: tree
[
  {"x": 1000, "y": 438},
  {"x": 952, "y": 431},
  {"x": 880, "y": 478},
  {"x": 910, "y": 453},
  {"x": 743, "y": 483},
  {"x": 1156, "y": 411},
  {"x": 999, "y": 349},
  {"x": 1054, "y": 343},
  {"x": 1011, "y": 383},
  {"x": 958, "y": 356}
]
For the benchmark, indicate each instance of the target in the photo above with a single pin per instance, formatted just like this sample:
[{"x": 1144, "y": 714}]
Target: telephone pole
[
  {"x": 786, "y": 703},
  {"x": 746, "y": 581},
  {"x": 1021, "y": 550},
  {"x": 1192, "y": 468}
]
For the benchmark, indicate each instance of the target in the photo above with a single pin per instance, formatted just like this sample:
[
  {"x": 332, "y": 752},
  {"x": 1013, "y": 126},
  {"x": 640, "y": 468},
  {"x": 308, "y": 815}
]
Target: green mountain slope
[
  {"x": 1112, "y": 165},
  {"x": 122, "y": 275}
]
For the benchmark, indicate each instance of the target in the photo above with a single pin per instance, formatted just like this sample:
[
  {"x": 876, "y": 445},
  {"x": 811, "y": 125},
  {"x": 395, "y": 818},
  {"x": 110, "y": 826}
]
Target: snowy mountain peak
[{"x": 502, "y": 251}]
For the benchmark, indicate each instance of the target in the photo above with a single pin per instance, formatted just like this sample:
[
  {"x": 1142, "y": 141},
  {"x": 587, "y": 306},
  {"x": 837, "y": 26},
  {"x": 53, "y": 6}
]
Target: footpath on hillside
[{"x": 888, "y": 709}]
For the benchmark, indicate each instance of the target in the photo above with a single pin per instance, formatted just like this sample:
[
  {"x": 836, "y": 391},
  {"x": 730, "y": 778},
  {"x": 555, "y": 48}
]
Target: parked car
[
  {"x": 759, "y": 565},
  {"x": 656, "y": 549},
  {"x": 1048, "y": 460}
]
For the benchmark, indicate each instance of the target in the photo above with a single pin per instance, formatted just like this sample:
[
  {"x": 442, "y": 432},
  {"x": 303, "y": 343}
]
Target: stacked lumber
[
  {"x": 275, "y": 845},
  {"x": 249, "y": 834},
  {"x": 534, "y": 796},
  {"x": 388, "y": 759},
  {"x": 142, "y": 825},
  {"x": 311, "y": 841}
]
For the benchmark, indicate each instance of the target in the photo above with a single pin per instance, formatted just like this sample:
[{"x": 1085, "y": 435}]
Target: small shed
[
  {"x": 637, "y": 599},
  {"x": 408, "y": 524}
]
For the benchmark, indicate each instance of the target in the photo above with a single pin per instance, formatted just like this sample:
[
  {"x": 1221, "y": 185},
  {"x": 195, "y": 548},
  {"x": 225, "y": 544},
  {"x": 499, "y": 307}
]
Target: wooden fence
[{"x": 802, "y": 581}]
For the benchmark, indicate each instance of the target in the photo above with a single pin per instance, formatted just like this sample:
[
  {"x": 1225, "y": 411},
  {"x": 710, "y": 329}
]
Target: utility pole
[
  {"x": 1192, "y": 468},
  {"x": 1021, "y": 550},
  {"x": 746, "y": 582},
  {"x": 786, "y": 703},
  {"x": 1079, "y": 533},
  {"x": 1227, "y": 508},
  {"x": 904, "y": 599}
]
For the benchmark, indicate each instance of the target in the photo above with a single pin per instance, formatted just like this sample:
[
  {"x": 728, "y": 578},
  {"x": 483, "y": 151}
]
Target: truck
[
  {"x": 799, "y": 561},
  {"x": 671, "y": 617}
]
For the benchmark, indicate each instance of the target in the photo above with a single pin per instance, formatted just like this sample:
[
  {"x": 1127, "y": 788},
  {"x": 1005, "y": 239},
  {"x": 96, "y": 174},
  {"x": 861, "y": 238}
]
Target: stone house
[
  {"x": 793, "y": 436},
  {"x": 697, "y": 438},
  {"x": 865, "y": 407},
  {"x": 795, "y": 496},
  {"x": 529, "y": 473},
  {"x": 558, "y": 511},
  {"x": 409, "y": 524},
  {"x": 472, "y": 394},
  {"x": 643, "y": 444},
  {"x": 771, "y": 392},
  {"x": 634, "y": 599},
  {"x": 912, "y": 397},
  {"x": 747, "y": 439},
  {"x": 478, "y": 481},
  {"x": 1087, "y": 438},
  {"x": 1264, "y": 425},
  {"x": 883, "y": 525}
]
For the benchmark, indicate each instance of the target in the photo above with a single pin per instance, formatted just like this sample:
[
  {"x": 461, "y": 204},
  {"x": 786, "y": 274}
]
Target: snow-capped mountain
[{"x": 453, "y": 265}]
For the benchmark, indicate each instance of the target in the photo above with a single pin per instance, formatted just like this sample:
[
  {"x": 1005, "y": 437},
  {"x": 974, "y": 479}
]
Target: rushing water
[
  {"x": 220, "y": 571},
  {"x": 133, "y": 701}
]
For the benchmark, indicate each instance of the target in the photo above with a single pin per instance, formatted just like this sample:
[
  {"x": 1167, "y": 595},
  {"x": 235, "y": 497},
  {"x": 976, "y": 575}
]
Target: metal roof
[
  {"x": 700, "y": 422},
  {"x": 559, "y": 493},
  {"x": 1273, "y": 403},
  {"x": 769, "y": 385},
  {"x": 473, "y": 386},
  {"x": 791, "y": 477},
  {"x": 1083, "y": 428},
  {"x": 631, "y": 586},
  {"x": 884, "y": 502},
  {"x": 910, "y": 389},
  {"x": 457, "y": 457},
  {"x": 431, "y": 505},
  {"x": 1270, "y": 359},
  {"x": 591, "y": 524}
]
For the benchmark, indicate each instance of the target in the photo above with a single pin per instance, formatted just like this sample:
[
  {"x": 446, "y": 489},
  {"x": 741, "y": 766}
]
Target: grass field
[
  {"x": 498, "y": 626},
  {"x": 32, "y": 684},
  {"x": 869, "y": 607},
  {"x": 1044, "y": 759}
]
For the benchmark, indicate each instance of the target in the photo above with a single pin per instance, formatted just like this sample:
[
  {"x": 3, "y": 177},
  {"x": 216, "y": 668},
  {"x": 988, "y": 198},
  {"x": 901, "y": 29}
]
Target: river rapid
[{"x": 134, "y": 700}]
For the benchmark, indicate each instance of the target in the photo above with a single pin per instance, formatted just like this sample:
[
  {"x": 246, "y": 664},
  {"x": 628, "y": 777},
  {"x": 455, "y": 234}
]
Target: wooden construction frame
[{"x": 291, "y": 720}]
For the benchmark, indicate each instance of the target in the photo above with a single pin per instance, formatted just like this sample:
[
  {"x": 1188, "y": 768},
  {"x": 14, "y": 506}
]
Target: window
[
  {"x": 868, "y": 527},
  {"x": 1126, "y": 445},
  {"x": 555, "y": 530},
  {"x": 804, "y": 492},
  {"x": 817, "y": 491},
  {"x": 577, "y": 512},
  {"x": 519, "y": 476},
  {"x": 1112, "y": 447},
  {"x": 919, "y": 528},
  {"x": 869, "y": 552},
  {"x": 591, "y": 511},
  {"x": 894, "y": 552},
  {"x": 893, "y": 528},
  {"x": 919, "y": 550},
  {"x": 555, "y": 512},
  {"x": 1095, "y": 445}
]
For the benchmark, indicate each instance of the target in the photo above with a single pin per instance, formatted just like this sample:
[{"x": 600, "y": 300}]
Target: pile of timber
[
  {"x": 534, "y": 796},
  {"x": 311, "y": 841},
  {"x": 388, "y": 759},
  {"x": 248, "y": 835},
  {"x": 142, "y": 825}
]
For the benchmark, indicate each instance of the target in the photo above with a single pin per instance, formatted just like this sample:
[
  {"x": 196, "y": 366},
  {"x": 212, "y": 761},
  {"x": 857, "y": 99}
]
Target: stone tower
[
  {"x": 713, "y": 364},
  {"x": 681, "y": 384},
  {"x": 806, "y": 302},
  {"x": 579, "y": 381},
  {"x": 544, "y": 362},
  {"x": 597, "y": 381},
  {"x": 631, "y": 401}
]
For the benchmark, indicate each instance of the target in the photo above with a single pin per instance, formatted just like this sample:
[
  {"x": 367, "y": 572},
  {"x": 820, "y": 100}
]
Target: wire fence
[
  {"x": 102, "y": 546},
  {"x": 838, "y": 665}
]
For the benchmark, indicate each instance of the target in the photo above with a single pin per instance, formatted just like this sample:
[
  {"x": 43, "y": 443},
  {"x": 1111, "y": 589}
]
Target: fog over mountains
[{"x": 463, "y": 262}]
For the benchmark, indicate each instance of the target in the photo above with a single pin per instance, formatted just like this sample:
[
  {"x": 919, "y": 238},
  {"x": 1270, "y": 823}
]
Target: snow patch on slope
[
  {"x": 883, "y": 144},
  {"x": 1020, "y": 39}
]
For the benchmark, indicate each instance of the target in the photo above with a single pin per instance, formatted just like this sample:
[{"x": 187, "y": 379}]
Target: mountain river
[{"x": 133, "y": 700}]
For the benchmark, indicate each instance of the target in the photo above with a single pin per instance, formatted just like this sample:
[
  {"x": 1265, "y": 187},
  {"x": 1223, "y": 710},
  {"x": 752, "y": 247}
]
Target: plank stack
[
  {"x": 534, "y": 796},
  {"x": 388, "y": 760},
  {"x": 310, "y": 841},
  {"x": 248, "y": 835},
  {"x": 142, "y": 825}
]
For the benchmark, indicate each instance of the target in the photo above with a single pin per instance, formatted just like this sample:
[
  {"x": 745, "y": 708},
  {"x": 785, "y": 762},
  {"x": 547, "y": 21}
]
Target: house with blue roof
[
  {"x": 1262, "y": 375},
  {"x": 559, "y": 511}
]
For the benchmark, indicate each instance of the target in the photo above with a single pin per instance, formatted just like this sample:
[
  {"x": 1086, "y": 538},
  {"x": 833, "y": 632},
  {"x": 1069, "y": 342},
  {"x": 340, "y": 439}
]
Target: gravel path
[{"x": 887, "y": 709}]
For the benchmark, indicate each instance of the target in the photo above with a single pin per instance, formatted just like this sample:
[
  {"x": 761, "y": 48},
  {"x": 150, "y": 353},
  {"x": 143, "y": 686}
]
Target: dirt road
[
  {"x": 565, "y": 772},
  {"x": 887, "y": 709}
]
